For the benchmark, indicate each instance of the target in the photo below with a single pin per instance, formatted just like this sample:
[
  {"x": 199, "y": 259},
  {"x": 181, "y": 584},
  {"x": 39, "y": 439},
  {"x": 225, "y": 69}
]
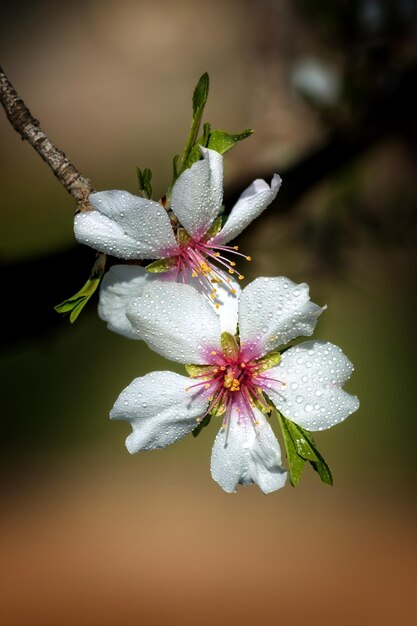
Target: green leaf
[
  {"x": 77, "y": 302},
  {"x": 200, "y": 94},
  {"x": 204, "y": 422},
  {"x": 295, "y": 461},
  {"x": 229, "y": 346},
  {"x": 175, "y": 167},
  {"x": 144, "y": 180},
  {"x": 301, "y": 442},
  {"x": 306, "y": 448},
  {"x": 269, "y": 360},
  {"x": 198, "y": 370},
  {"x": 320, "y": 466},
  {"x": 221, "y": 141},
  {"x": 162, "y": 265}
]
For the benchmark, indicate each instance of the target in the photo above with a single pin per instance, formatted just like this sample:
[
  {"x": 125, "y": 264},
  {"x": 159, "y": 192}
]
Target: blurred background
[{"x": 90, "y": 535}]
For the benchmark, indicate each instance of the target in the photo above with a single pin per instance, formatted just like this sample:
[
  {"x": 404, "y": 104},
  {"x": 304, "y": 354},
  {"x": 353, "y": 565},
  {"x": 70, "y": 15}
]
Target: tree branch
[{"x": 29, "y": 129}]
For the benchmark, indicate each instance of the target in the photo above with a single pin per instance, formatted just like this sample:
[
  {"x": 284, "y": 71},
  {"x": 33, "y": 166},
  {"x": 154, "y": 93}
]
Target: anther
[
  {"x": 249, "y": 258},
  {"x": 235, "y": 247},
  {"x": 241, "y": 277},
  {"x": 213, "y": 352}
]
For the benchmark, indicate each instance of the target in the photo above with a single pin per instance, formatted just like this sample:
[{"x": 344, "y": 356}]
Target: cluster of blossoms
[{"x": 188, "y": 307}]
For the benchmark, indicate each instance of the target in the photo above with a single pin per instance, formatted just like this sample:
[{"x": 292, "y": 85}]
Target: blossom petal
[
  {"x": 272, "y": 311},
  {"x": 245, "y": 454},
  {"x": 177, "y": 322},
  {"x": 252, "y": 202},
  {"x": 314, "y": 373},
  {"x": 198, "y": 193},
  {"x": 228, "y": 306},
  {"x": 119, "y": 287},
  {"x": 159, "y": 409},
  {"x": 126, "y": 226},
  {"x": 228, "y": 302}
]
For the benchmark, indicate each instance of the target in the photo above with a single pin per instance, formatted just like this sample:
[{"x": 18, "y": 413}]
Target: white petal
[
  {"x": 272, "y": 311},
  {"x": 126, "y": 226},
  {"x": 228, "y": 302},
  {"x": 198, "y": 193},
  {"x": 313, "y": 372},
  {"x": 177, "y": 322},
  {"x": 245, "y": 454},
  {"x": 119, "y": 287},
  {"x": 159, "y": 410},
  {"x": 250, "y": 205},
  {"x": 228, "y": 306}
]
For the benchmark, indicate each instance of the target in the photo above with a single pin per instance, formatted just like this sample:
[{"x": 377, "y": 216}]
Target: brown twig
[{"x": 28, "y": 128}]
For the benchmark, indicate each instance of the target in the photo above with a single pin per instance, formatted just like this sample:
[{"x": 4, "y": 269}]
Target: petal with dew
[
  {"x": 313, "y": 374},
  {"x": 246, "y": 454},
  {"x": 119, "y": 287},
  {"x": 198, "y": 193},
  {"x": 126, "y": 226},
  {"x": 159, "y": 409},
  {"x": 272, "y": 311},
  {"x": 252, "y": 202},
  {"x": 177, "y": 322}
]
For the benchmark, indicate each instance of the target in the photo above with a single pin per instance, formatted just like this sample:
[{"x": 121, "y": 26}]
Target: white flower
[
  {"x": 230, "y": 376},
  {"x": 130, "y": 227}
]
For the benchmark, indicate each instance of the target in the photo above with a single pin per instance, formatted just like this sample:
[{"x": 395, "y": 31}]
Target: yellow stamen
[
  {"x": 213, "y": 352},
  {"x": 249, "y": 258}
]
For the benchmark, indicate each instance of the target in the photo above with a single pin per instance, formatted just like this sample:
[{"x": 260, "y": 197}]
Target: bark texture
[{"x": 29, "y": 129}]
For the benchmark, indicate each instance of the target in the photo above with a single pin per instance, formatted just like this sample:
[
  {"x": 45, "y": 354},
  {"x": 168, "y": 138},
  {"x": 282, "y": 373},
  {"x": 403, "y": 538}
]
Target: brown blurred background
[{"x": 92, "y": 536}]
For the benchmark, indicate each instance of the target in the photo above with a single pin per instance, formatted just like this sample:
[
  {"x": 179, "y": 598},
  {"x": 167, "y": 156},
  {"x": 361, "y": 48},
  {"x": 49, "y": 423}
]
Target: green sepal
[
  {"x": 183, "y": 237},
  {"x": 229, "y": 345},
  {"x": 261, "y": 406},
  {"x": 269, "y": 360},
  {"x": 294, "y": 460},
  {"x": 162, "y": 265},
  {"x": 198, "y": 370},
  {"x": 214, "y": 228},
  {"x": 204, "y": 422},
  {"x": 144, "y": 180},
  {"x": 221, "y": 142},
  {"x": 218, "y": 410},
  {"x": 75, "y": 304}
]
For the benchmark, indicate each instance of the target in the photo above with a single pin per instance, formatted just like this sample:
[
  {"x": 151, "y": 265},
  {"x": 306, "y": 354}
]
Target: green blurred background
[{"x": 90, "y": 535}]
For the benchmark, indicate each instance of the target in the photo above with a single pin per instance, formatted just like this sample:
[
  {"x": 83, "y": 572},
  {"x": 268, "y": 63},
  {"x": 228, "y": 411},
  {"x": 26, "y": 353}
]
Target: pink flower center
[
  {"x": 234, "y": 385},
  {"x": 201, "y": 260}
]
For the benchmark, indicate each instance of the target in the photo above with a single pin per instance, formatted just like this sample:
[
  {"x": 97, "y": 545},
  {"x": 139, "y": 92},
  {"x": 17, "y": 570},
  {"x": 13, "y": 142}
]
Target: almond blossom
[
  {"x": 190, "y": 238},
  {"x": 234, "y": 377}
]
